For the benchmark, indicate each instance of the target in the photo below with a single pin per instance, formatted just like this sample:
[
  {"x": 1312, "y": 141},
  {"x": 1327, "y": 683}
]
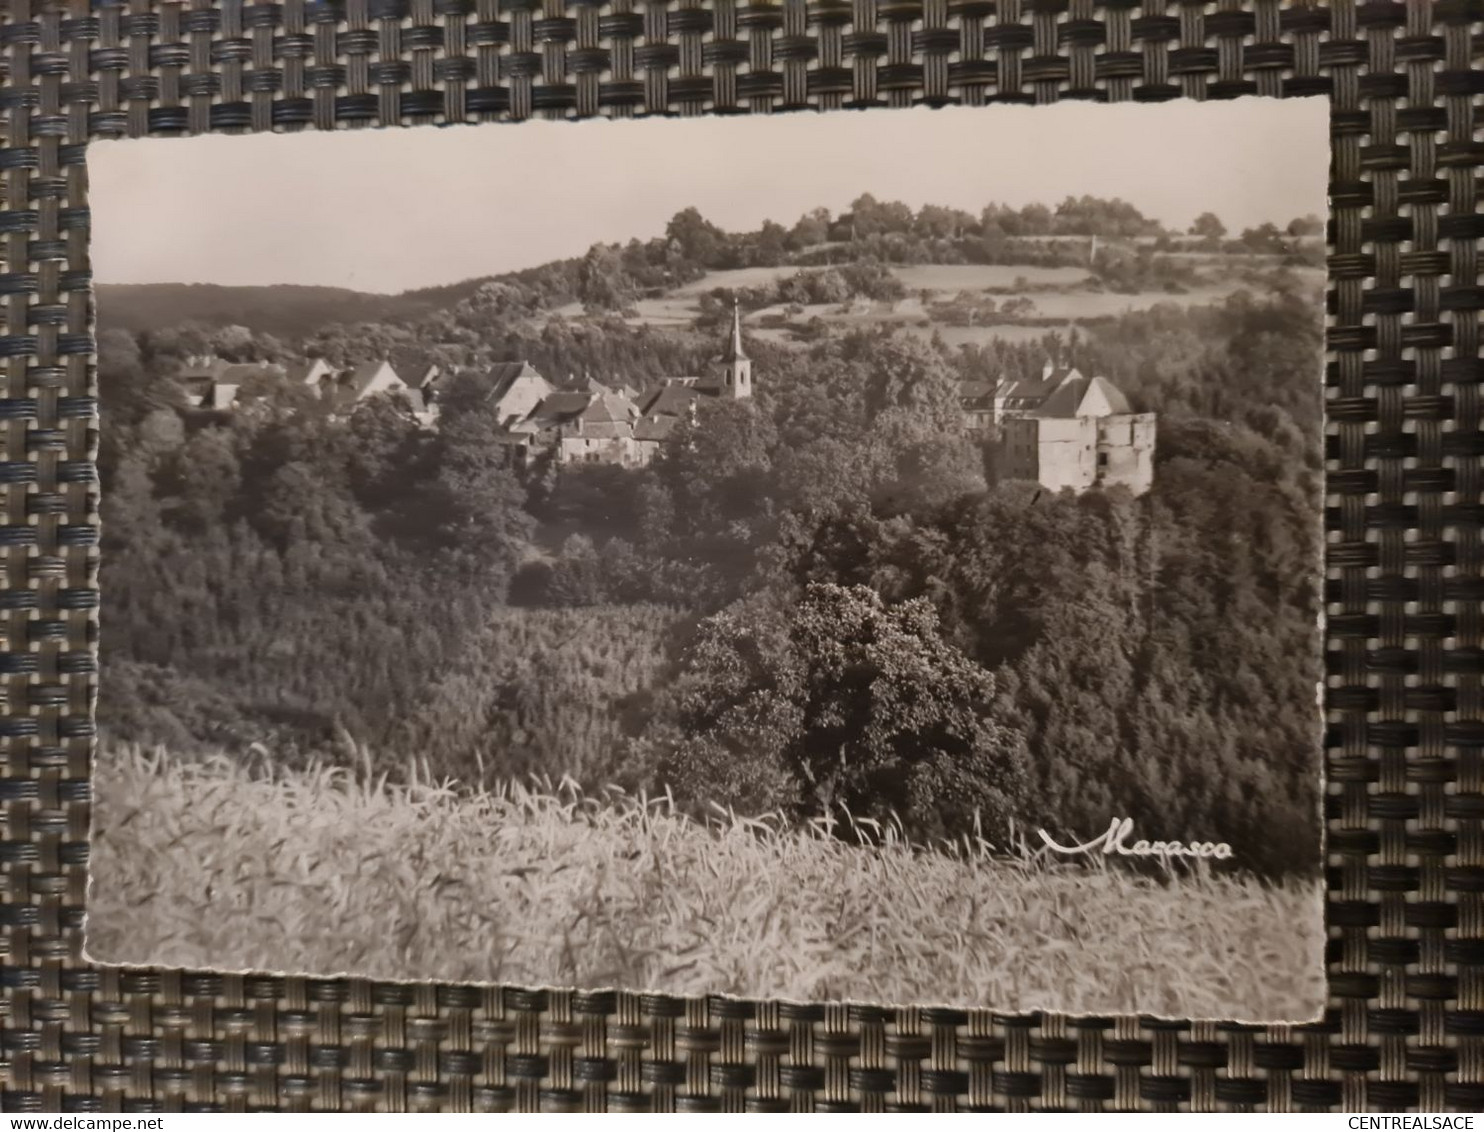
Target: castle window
[{"x": 1102, "y": 459}]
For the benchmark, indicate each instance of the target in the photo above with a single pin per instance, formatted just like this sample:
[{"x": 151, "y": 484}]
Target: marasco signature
[{"x": 1114, "y": 842}]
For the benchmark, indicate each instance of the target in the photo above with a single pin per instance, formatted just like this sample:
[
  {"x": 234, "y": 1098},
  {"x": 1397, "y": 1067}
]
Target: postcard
[{"x": 866, "y": 557}]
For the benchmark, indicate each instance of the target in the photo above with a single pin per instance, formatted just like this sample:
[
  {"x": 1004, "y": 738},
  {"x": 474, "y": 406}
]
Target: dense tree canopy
[{"x": 841, "y": 700}]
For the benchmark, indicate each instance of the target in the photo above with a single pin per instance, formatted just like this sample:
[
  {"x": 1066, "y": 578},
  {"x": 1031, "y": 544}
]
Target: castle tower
[{"x": 734, "y": 377}]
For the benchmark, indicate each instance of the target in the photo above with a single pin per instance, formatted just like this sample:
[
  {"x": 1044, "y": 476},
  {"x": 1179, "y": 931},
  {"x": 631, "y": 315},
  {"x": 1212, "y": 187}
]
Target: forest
[{"x": 817, "y": 599}]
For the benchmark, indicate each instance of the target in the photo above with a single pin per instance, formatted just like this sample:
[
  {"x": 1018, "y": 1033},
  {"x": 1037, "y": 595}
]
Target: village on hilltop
[{"x": 1062, "y": 430}]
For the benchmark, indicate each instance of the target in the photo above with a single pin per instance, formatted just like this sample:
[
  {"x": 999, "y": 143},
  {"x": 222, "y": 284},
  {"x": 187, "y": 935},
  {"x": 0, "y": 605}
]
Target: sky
[{"x": 395, "y": 209}]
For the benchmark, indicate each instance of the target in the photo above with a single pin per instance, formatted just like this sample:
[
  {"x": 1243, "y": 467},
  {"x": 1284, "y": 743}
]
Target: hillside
[
  {"x": 1002, "y": 274},
  {"x": 286, "y": 311},
  {"x": 959, "y": 304}
]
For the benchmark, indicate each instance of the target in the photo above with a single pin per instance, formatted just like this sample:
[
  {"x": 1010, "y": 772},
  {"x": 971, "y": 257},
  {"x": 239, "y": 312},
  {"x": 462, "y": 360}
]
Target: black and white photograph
[{"x": 866, "y": 558}]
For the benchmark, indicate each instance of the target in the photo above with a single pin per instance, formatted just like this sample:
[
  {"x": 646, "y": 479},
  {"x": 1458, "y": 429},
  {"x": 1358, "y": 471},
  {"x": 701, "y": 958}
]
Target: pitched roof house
[
  {"x": 1021, "y": 396},
  {"x": 309, "y": 371},
  {"x": 670, "y": 396},
  {"x": 592, "y": 424},
  {"x": 371, "y": 378},
  {"x": 609, "y": 413},
  {"x": 516, "y": 389},
  {"x": 664, "y": 405},
  {"x": 417, "y": 369},
  {"x": 562, "y": 406},
  {"x": 365, "y": 380},
  {"x": 417, "y": 403},
  {"x": 213, "y": 383},
  {"x": 976, "y": 398},
  {"x": 423, "y": 376}
]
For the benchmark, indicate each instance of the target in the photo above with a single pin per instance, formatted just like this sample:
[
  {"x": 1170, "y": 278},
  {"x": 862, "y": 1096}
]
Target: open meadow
[
  {"x": 213, "y": 863},
  {"x": 1058, "y": 299}
]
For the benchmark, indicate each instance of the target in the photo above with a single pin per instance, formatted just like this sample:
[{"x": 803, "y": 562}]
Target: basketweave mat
[{"x": 805, "y": 653}]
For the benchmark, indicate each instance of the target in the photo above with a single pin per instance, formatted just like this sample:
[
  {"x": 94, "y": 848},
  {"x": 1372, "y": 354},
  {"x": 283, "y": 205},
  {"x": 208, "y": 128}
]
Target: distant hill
[
  {"x": 868, "y": 253},
  {"x": 286, "y": 311}
]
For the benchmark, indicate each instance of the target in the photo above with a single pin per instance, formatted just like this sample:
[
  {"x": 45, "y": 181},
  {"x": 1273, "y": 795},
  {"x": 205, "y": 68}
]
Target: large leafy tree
[
  {"x": 919, "y": 457},
  {"x": 717, "y": 509},
  {"x": 603, "y": 284},
  {"x": 872, "y": 217},
  {"x": 478, "y": 497},
  {"x": 697, "y": 239},
  {"x": 129, "y": 390},
  {"x": 1208, "y": 226},
  {"x": 903, "y": 373},
  {"x": 810, "y": 229},
  {"x": 841, "y": 700}
]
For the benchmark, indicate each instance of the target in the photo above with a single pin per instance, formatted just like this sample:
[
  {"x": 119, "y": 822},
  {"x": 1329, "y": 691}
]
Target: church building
[
  {"x": 731, "y": 375},
  {"x": 587, "y": 422}
]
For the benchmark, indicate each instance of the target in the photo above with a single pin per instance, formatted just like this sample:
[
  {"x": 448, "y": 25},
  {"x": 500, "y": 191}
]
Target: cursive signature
[{"x": 1113, "y": 841}]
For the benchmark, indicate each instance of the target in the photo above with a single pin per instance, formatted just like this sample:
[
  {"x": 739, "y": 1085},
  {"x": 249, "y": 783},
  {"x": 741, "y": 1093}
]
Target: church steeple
[
  {"x": 735, "y": 377},
  {"x": 734, "y": 351}
]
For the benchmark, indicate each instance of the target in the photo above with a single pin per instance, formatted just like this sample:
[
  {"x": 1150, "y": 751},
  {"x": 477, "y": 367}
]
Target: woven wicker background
[{"x": 1406, "y": 795}]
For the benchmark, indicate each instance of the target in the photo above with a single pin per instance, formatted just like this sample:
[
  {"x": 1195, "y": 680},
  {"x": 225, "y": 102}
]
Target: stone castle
[{"x": 1063, "y": 430}]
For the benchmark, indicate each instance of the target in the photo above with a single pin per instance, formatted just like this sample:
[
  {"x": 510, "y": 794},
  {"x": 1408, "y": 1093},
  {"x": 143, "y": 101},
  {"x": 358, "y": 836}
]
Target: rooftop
[{"x": 1071, "y": 398}]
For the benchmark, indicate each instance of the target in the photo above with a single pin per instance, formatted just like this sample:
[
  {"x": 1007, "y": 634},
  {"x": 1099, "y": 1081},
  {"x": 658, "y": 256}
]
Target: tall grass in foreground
[{"x": 328, "y": 871}]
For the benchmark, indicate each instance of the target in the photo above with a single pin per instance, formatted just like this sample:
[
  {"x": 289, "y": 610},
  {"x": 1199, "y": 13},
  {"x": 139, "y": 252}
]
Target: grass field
[
  {"x": 323, "y": 871},
  {"x": 955, "y": 277},
  {"x": 1062, "y": 294},
  {"x": 931, "y": 276}
]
